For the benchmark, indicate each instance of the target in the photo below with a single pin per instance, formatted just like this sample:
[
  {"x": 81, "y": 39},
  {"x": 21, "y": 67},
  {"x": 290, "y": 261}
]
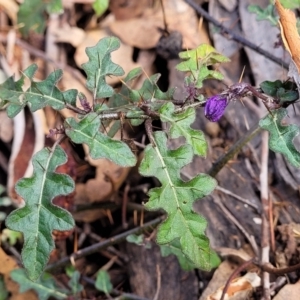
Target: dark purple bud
[
  {"x": 215, "y": 107},
  {"x": 84, "y": 103}
]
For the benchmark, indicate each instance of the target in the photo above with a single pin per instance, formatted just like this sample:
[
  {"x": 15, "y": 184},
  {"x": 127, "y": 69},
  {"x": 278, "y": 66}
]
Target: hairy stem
[{"x": 222, "y": 161}]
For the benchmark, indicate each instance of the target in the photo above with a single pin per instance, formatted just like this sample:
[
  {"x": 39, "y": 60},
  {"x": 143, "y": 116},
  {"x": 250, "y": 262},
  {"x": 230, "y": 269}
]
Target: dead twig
[
  {"x": 238, "y": 225},
  {"x": 234, "y": 274},
  {"x": 102, "y": 245},
  {"x": 158, "y": 273},
  {"x": 265, "y": 231},
  {"x": 232, "y": 35}
]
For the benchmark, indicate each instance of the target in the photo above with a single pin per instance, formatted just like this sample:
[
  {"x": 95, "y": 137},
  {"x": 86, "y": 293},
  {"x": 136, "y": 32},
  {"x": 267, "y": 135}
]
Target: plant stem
[
  {"x": 102, "y": 245},
  {"x": 222, "y": 161}
]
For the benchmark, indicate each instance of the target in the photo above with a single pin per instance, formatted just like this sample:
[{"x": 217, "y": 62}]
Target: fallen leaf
[
  {"x": 81, "y": 39},
  {"x": 143, "y": 32},
  {"x": 29, "y": 138},
  {"x": 239, "y": 289},
  {"x": 124, "y": 10},
  {"x": 7, "y": 264},
  {"x": 289, "y": 291},
  {"x": 289, "y": 32}
]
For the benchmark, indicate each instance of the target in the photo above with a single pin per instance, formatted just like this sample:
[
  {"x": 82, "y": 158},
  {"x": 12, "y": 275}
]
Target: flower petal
[{"x": 215, "y": 107}]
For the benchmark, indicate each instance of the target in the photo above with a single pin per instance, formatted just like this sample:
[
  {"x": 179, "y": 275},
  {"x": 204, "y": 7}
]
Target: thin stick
[
  {"x": 243, "y": 200},
  {"x": 265, "y": 232},
  {"x": 102, "y": 245},
  {"x": 238, "y": 225},
  {"x": 232, "y": 35},
  {"x": 158, "y": 273},
  {"x": 234, "y": 274}
]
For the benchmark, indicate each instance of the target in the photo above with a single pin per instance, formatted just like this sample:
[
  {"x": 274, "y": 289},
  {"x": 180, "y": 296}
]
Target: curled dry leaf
[
  {"x": 239, "y": 288},
  {"x": 289, "y": 32},
  {"x": 10, "y": 7},
  {"x": 29, "y": 138},
  {"x": 107, "y": 181}
]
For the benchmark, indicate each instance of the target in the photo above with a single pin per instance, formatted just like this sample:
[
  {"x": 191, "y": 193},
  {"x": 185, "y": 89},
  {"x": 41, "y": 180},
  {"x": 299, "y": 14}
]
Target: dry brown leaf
[
  {"x": 289, "y": 32},
  {"x": 239, "y": 289},
  {"x": 83, "y": 39},
  {"x": 219, "y": 278},
  {"x": 6, "y": 127},
  {"x": 11, "y": 8},
  {"x": 124, "y": 10},
  {"x": 29, "y": 138},
  {"x": 7, "y": 264},
  {"x": 289, "y": 292},
  {"x": 143, "y": 32}
]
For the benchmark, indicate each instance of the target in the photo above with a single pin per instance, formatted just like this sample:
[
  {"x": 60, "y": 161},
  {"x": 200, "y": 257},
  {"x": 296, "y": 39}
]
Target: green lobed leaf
[
  {"x": 101, "y": 146},
  {"x": 282, "y": 136},
  {"x": 45, "y": 92},
  {"x": 4, "y": 294},
  {"x": 39, "y": 217},
  {"x": 286, "y": 91},
  {"x": 176, "y": 197},
  {"x": 45, "y": 287},
  {"x": 100, "y": 65},
  {"x": 203, "y": 55},
  {"x": 291, "y": 4},
  {"x": 74, "y": 283},
  {"x": 175, "y": 249},
  {"x": 181, "y": 126},
  {"x": 54, "y": 7},
  {"x": 197, "y": 61},
  {"x": 11, "y": 92},
  {"x": 103, "y": 283},
  {"x": 267, "y": 13},
  {"x": 100, "y": 6},
  {"x": 31, "y": 16}
]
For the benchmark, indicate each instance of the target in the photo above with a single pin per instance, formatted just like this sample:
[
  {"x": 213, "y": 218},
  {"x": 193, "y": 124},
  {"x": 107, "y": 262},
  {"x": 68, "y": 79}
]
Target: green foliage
[
  {"x": 3, "y": 291},
  {"x": 45, "y": 286},
  {"x": 197, "y": 62},
  {"x": 174, "y": 248},
  {"x": 180, "y": 126},
  {"x": 176, "y": 197},
  {"x": 138, "y": 240},
  {"x": 100, "y": 65},
  {"x": 183, "y": 232},
  {"x": 291, "y": 4},
  {"x": 38, "y": 95},
  {"x": 282, "y": 136},
  {"x": 100, "y": 6},
  {"x": 286, "y": 91},
  {"x": 101, "y": 146},
  {"x": 31, "y": 14},
  {"x": 103, "y": 283},
  {"x": 74, "y": 283},
  {"x": 12, "y": 92},
  {"x": 4, "y": 201},
  {"x": 39, "y": 217},
  {"x": 267, "y": 13}
]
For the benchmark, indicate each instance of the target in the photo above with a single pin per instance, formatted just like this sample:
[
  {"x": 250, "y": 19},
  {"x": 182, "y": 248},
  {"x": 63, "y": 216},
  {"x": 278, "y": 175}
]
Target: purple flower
[{"x": 215, "y": 107}]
